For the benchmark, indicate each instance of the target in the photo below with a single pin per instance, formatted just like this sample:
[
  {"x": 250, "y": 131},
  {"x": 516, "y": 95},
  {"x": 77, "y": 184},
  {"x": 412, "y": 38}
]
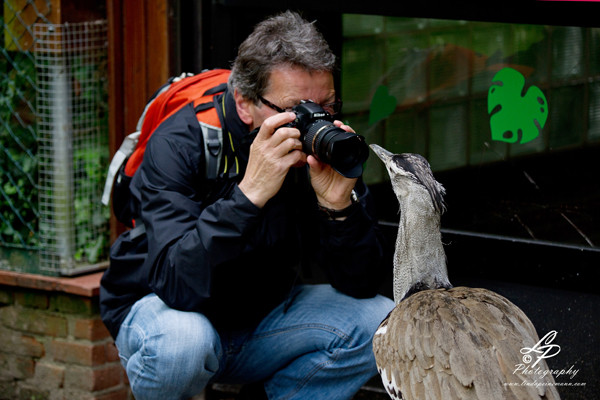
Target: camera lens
[{"x": 344, "y": 151}]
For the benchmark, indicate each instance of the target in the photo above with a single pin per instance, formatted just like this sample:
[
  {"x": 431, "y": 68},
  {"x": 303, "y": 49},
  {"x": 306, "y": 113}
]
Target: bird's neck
[{"x": 420, "y": 260}]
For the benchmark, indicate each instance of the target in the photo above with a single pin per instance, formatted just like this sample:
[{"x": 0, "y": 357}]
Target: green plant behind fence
[
  {"x": 18, "y": 149},
  {"x": 51, "y": 219}
]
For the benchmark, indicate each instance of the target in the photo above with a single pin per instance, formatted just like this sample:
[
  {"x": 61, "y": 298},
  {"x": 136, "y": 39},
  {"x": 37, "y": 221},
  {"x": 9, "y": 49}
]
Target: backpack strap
[
  {"x": 213, "y": 148},
  {"x": 217, "y": 89},
  {"x": 131, "y": 140},
  {"x": 118, "y": 159}
]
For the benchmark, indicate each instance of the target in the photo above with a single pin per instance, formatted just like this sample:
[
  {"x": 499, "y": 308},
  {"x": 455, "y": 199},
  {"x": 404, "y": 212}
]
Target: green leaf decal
[
  {"x": 382, "y": 105},
  {"x": 514, "y": 116}
]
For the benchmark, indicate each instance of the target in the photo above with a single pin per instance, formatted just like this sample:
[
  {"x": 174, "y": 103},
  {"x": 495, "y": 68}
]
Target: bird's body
[
  {"x": 462, "y": 343},
  {"x": 441, "y": 342}
]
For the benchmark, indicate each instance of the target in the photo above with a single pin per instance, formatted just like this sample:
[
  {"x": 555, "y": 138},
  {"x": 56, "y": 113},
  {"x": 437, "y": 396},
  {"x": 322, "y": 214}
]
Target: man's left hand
[{"x": 332, "y": 189}]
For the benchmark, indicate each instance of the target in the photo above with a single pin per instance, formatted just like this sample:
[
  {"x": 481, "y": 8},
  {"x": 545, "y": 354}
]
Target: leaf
[
  {"x": 515, "y": 117},
  {"x": 382, "y": 105},
  {"x": 94, "y": 249},
  {"x": 9, "y": 189}
]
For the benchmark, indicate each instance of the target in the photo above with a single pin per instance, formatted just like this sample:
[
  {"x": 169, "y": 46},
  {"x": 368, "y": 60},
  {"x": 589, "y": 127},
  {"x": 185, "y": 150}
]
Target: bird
[{"x": 440, "y": 341}]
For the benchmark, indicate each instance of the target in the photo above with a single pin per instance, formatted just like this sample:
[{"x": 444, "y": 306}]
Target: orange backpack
[{"x": 178, "y": 92}]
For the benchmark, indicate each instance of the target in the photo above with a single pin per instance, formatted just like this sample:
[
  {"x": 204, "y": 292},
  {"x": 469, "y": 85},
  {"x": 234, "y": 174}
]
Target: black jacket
[{"x": 210, "y": 250}]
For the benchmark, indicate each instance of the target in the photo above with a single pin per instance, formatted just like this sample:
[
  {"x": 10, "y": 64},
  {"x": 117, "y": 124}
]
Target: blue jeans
[{"x": 320, "y": 348}]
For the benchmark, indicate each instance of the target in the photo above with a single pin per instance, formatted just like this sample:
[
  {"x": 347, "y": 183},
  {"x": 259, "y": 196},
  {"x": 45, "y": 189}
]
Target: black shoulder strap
[
  {"x": 212, "y": 135},
  {"x": 203, "y": 107},
  {"x": 217, "y": 89},
  {"x": 213, "y": 148}
]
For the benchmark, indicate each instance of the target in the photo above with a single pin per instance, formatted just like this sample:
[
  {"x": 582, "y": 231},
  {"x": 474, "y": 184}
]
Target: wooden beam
[
  {"x": 115, "y": 89},
  {"x": 139, "y": 59},
  {"x": 157, "y": 45}
]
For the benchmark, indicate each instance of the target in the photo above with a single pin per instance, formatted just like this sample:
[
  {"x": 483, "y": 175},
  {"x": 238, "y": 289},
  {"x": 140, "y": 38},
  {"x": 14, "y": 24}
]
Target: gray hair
[{"x": 284, "y": 39}]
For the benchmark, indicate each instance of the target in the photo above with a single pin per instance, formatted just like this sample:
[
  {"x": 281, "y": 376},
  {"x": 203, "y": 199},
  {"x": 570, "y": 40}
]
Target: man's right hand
[{"x": 272, "y": 153}]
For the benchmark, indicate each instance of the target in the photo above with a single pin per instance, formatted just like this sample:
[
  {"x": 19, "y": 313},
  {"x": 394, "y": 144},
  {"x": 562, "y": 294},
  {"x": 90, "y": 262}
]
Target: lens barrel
[{"x": 344, "y": 151}]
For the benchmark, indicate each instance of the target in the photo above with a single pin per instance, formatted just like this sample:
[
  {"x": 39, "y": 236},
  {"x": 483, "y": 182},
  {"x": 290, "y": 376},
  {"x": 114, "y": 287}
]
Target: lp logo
[{"x": 515, "y": 115}]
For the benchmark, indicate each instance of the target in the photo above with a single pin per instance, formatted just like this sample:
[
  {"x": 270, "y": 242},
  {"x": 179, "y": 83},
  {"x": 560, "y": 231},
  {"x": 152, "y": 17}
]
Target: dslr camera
[{"x": 344, "y": 151}]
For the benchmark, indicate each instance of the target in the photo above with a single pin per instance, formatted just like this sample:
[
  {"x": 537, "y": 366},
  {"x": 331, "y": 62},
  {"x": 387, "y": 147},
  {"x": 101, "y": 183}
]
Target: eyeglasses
[{"x": 332, "y": 108}]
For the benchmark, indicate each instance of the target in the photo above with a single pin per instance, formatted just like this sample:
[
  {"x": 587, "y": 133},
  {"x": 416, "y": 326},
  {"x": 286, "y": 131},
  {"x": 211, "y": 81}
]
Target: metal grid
[
  {"x": 73, "y": 145},
  {"x": 18, "y": 139}
]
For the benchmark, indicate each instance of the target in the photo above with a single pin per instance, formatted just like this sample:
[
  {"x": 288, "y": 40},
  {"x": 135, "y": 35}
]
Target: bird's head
[
  {"x": 420, "y": 260},
  {"x": 410, "y": 173}
]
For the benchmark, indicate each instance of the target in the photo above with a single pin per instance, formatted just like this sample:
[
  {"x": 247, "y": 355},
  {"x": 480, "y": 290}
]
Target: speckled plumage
[
  {"x": 440, "y": 343},
  {"x": 462, "y": 343}
]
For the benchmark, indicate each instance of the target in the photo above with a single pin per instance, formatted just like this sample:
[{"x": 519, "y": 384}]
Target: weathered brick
[
  {"x": 33, "y": 321},
  {"x": 80, "y": 353},
  {"x": 16, "y": 367},
  {"x": 94, "y": 379},
  {"x": 112, "y": 353},
  {"x": 16, "y": 342},
  {"x": 126, "y": 378},
  {"x": 6, "y": 296},
  {"x": 32, "y": 299},
  {"x": 71, "y": 304},
  {"x": 72, "y": 394},
  {"x": 8, "y": 389},
  {"x": 29, "y": 392},
  {"x": 49, "y": 375},
  {"x": 90, "y": 329},
  {"x": 121, "y": 393}
]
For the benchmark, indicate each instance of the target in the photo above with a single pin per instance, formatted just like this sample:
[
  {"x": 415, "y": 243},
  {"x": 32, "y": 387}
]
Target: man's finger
[{"x": 272, "y": 123}]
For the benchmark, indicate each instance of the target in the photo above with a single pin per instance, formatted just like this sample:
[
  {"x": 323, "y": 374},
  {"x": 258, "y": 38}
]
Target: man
[{"x": 223, "y": 300}]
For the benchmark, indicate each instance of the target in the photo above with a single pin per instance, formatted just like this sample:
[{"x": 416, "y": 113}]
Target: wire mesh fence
[
  {"x": 53, "y": 141},
  {"x": 73, "y": 143},
  {"x": 19, "y": 213}
]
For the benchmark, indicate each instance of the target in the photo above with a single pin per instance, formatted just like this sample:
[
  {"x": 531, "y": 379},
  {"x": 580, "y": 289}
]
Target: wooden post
[{"x": 139, "y": 59}]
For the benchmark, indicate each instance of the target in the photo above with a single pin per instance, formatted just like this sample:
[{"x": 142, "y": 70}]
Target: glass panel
[
  {"x": 362, "y": 60},
  {"x": 566, "y": 128},
  {"x": 567, "y": 52},
  {"x": 431, "y": 65},
  {"x": 410, "y": 129},
  {"x": 449, "y": 64},
  {"x": 490, "y": 46},
  {"x": 594, "y": 130},
  {"x": 594, "y": 51},
  {"x": 405, "y": 72},
  {"x": 481, "y": 148},
  {"x": 360, "y": 25},
  {"x": 507, "y": 105},
  {"x": 448, "y": 145}
]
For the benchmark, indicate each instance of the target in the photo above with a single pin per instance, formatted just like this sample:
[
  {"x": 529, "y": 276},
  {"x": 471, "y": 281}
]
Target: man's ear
[{"x": 243, "y": 107}]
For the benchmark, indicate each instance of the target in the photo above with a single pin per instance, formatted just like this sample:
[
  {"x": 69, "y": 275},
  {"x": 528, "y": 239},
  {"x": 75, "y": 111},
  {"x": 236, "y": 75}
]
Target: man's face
[{"x": 288, "y": 85}]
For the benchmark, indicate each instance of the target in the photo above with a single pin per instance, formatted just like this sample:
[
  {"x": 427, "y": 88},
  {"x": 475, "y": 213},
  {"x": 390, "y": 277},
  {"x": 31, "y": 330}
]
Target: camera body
[{"x": 344, "y": 151}]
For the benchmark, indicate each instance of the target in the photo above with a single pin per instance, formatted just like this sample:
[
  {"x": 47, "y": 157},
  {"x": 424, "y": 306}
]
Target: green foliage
[
  {"x": 20, "y": 221},
  {"x": 90, "y": 160},
  {"x": 90, "y": 216},
  {"x": 18, "y": 146},
  {"x": 515, "y": 117}
]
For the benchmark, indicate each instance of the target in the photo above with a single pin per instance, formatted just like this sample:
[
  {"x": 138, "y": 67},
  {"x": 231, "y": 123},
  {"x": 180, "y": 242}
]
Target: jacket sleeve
[
  {"x": 353, "y": 250},
  {"x": 186, "y": 238}
]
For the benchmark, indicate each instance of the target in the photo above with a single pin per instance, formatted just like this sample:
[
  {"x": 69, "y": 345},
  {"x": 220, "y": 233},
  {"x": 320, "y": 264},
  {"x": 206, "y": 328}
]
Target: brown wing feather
[{"x": 459, "y": 343}]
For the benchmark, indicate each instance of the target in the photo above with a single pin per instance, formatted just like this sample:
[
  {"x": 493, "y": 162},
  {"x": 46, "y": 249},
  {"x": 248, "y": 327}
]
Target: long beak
[{"x": 381, "y": 153}]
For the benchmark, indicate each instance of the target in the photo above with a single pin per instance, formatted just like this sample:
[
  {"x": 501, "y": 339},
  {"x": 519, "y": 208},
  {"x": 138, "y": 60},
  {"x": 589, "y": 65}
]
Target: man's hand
[
  {"x": 332, "y": 189},
  {"x": 272, "y": 153}
]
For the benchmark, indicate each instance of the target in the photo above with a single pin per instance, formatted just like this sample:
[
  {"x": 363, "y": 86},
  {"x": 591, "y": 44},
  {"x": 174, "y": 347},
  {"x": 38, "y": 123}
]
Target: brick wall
[{"x": 53, "y": 346}]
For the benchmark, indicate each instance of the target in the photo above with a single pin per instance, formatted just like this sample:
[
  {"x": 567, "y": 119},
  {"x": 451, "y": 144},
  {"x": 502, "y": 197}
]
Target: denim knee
[
  {"x": 358, "y": 317},
  {"x": 167, "y": 353},
  {"x": 373, "y": 311},
  {"x": 366, "y": 317}
]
